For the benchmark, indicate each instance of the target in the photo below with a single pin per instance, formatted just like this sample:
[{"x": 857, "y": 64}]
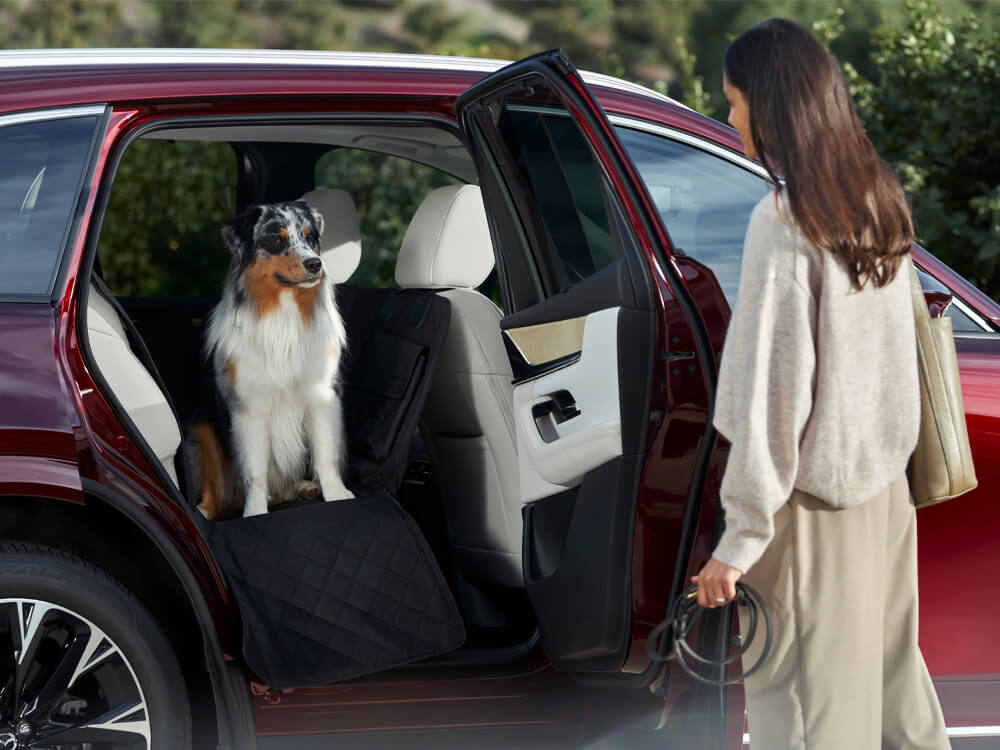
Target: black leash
[{"x": 684, "y": 615}]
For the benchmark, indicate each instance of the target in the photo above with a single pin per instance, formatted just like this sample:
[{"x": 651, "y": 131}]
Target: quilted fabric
[
  {"x": 330, "y": 591},
  {"x": 394, "y": 338}
]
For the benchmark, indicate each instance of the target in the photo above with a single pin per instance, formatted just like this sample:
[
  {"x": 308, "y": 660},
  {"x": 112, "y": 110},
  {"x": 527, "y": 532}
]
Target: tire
[{"x": 81, "y": 660}]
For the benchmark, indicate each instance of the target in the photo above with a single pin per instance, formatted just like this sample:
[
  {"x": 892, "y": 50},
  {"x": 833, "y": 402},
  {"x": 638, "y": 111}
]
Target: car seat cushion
[{"x": 331, "y": 591}]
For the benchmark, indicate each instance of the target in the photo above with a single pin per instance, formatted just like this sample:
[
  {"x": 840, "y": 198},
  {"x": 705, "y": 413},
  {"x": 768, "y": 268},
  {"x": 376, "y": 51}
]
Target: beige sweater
[{"x": 817, "y": 386}]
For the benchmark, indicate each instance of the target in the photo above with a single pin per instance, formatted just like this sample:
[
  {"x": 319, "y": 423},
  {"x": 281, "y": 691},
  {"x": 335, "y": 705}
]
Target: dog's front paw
[
  {"x": 254, "y": 509},
  {"x": 341, "y": 494}
]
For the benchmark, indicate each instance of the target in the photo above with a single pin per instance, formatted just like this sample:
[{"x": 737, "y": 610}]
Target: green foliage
[
  {"x": 387, "y": 191},
  {"x": 692, "y": 85},
  {"x": 926, "y": 87},
  {"x": 160, "y": 234},
  {"x": 932, "y": 114}
]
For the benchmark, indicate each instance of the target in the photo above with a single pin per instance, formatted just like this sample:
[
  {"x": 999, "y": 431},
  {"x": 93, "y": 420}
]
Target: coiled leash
[{"x": 684, "y": 615}]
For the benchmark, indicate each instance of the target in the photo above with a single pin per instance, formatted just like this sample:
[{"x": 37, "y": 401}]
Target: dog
[{"x": 273, "y": 346}]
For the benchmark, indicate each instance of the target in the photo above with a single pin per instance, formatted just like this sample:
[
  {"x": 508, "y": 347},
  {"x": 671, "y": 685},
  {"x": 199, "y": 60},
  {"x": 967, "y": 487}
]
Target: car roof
[
  {"x": 32, "y": 79},
  {"x": 150, "y": 58}
]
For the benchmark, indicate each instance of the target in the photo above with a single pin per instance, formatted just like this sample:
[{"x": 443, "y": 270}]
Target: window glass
[
  {"x": 704, "y": 201},
  {"x": 387, "y": 190},
  {"x": 566, "y": 185},
  {"x": 959, "y": 320},
  {"x": 161, "y": 233},
  {"x": 43, "y": 166}
]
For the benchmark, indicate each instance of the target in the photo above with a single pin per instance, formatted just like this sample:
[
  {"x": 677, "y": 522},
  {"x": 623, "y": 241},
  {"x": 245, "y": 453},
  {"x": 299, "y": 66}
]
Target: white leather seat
[
  {"x": 340, "y": 244},
  {"x": 130, "y": 381},
  {"x": 468, "y": 423}
]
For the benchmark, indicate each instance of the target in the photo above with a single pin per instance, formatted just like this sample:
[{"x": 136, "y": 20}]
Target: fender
[
  {"x": 233, "y": 710},
  {"x": 57, "y": 478}
]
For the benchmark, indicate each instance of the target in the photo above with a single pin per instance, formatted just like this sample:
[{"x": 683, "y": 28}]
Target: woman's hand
[{"x": 716, "y": 583}]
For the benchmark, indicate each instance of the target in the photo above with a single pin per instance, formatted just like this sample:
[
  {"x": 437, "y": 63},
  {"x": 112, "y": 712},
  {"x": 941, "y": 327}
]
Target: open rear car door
[{"x": 575, "y": 235}]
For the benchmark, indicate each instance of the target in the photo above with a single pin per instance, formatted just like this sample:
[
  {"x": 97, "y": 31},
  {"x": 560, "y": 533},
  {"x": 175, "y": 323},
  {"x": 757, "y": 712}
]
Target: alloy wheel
[{"x": 64, "y": 683}]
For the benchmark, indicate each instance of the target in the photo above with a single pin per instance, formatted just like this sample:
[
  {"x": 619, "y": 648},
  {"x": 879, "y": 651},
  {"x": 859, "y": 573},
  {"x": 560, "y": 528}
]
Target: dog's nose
[{"x": 313, "y": 264}]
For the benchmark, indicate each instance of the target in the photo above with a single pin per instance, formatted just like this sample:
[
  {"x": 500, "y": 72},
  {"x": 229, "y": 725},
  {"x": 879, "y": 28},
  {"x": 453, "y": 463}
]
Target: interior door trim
[{"x": 545, "y": 342}]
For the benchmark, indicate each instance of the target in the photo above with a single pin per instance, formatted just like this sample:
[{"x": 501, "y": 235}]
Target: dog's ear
[
  {"x": 318, "y": 218},
  {"x": 314, "y": 214},
  {"x": 238, "y": 233}
]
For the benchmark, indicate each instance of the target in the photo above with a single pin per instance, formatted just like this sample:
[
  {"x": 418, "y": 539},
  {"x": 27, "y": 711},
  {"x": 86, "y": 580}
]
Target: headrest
[
  {"x": 340, "y": 245},
  {"x": 448, "y": 241}
]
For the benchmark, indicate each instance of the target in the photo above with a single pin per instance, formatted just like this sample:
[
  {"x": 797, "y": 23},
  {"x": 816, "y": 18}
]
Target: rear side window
[
  {"x": 559, "y": 173},
  {"x": 161, "y": 233},
  {"x": 556, "y": 162},
  {"x": 44, "y": 163}
]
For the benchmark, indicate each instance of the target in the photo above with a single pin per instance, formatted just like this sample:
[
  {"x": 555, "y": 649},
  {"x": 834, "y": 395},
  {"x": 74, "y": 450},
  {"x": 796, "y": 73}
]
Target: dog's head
[{"x": 277, "y": 244}]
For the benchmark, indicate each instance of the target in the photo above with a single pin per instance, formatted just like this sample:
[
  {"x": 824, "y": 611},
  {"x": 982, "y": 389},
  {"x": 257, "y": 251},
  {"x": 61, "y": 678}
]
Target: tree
[{"x": 933, "y": 113}]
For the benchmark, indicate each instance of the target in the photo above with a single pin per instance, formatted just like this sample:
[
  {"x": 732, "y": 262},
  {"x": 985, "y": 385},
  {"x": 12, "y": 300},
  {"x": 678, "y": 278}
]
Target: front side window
[
  {"x": 44, "y": 163},
  {"x": 705, "y": 201},
  {"x": 960, "y": 321}
]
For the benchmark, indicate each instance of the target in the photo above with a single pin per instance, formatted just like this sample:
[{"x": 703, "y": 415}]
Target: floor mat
[{"x": 331, "y": 591}]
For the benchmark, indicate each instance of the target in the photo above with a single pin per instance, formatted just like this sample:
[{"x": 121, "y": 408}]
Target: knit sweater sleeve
[{"x": 765, "y": 392}]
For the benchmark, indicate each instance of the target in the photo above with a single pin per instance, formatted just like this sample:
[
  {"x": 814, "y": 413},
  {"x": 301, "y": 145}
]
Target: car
[{"x": 549, "y": 439}]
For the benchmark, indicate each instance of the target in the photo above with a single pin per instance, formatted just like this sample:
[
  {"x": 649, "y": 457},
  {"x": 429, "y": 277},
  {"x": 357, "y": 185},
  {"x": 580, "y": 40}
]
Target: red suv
[{"x": 528, "y": 414}]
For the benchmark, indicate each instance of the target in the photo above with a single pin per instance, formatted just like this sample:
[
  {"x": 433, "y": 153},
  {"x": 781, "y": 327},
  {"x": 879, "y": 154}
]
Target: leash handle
[{"x": 684, "y": 615}]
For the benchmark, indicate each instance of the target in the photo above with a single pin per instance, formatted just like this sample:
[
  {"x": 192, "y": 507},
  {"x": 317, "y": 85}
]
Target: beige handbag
[{"x": 941, "y": 466}]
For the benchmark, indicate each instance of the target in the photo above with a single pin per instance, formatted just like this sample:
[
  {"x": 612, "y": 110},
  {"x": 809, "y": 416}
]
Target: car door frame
[{"x": 655, "y": 249}]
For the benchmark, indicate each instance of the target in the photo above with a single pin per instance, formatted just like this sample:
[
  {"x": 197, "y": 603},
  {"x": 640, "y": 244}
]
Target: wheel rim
[{"x": 64, "y": 683}]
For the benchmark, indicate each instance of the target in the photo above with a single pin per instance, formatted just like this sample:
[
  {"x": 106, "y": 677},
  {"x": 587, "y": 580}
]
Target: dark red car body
[{"x": 69, "y": 470}]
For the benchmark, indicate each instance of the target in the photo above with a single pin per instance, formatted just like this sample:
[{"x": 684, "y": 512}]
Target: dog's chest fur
[
  {"x": 280, "y": 350},
  {"x": 268, "y": 363}
]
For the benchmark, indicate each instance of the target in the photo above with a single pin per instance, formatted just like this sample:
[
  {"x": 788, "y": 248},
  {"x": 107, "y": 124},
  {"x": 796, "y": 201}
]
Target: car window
[
  {"x": 705, "y": 201},
  {"x": 387, "y": 191},
  {"x": 43, "y": 169},
  {"x": 160, "y": 236},
  {"x": 960, "y": 321},
  {"x": 558, "y": 170}
]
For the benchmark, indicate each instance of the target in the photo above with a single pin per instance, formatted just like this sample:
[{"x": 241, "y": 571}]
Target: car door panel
[
  {"x": 575, "y": 232},
  {"x": 569, "y": 421}
]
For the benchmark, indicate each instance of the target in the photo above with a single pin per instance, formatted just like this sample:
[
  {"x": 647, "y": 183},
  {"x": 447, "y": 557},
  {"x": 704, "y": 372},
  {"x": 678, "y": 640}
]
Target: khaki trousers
[{"x": 845, "y": 671}]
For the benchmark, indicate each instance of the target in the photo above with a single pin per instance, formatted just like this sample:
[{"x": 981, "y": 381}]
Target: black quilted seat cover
[
  {"x": 394, "y": 337},
  {"x": 330, "y": 591}
]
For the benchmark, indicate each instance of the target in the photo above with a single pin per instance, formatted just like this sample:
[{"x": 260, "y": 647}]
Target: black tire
[{"x": 92, "y": 667}]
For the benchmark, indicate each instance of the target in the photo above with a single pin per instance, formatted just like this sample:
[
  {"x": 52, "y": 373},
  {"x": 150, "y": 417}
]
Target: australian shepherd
[{"x": 273, "y": 345}]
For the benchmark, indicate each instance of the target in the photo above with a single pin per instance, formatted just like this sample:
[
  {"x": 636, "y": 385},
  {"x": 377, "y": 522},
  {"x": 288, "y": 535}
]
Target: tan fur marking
[
  {"x": 262, "y": 285},
  {"x": 305, "y": 231},
  {"x": 213, "y": 467},
  {"x": 231, "y": 371},
  {"x": 306, "y": 298},
  {"x": 283, "y": 232}
]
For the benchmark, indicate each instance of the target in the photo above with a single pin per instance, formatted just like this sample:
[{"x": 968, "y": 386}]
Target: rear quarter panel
[{"x": 959, "y": 540}]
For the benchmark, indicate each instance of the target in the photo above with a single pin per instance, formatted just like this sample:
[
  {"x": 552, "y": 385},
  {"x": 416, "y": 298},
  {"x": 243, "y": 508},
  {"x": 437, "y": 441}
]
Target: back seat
[{"x": 131, "y": 381}]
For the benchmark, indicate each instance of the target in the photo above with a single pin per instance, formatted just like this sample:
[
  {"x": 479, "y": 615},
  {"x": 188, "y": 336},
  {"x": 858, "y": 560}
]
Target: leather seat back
[
  {"x": 468, "y": 423},
  {"x": 340, "y": 244},
  {"x": 130, "y": 381}
]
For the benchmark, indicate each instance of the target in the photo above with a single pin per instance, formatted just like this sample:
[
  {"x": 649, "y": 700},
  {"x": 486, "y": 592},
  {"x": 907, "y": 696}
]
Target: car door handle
[{"x": 556, "y": 409}]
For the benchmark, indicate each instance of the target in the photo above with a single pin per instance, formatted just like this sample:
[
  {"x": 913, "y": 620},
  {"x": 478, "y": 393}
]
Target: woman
[{"x": 818, "y": 395}]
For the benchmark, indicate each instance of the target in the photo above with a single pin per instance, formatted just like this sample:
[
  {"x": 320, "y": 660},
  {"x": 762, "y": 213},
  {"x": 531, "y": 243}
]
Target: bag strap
[{"x": 917, "y": 295}]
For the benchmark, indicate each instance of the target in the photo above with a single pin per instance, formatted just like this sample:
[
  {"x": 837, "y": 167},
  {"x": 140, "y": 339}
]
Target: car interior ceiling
[{"x": 497, "y": 617}]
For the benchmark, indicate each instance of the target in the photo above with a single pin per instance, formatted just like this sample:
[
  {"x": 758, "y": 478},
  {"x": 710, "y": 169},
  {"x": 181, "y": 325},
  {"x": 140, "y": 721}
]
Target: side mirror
[{"x": 938, "y": 303}]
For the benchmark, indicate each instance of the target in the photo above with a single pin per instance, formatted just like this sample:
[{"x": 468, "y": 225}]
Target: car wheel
[{"x": 82, "y": 663}]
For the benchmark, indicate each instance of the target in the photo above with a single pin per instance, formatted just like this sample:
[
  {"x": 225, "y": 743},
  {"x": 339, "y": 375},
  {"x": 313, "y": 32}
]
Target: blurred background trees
[{"x": 926, "y": 78}]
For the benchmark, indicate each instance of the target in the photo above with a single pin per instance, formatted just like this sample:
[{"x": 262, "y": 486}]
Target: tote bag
[{"x": 941, "y": 466}]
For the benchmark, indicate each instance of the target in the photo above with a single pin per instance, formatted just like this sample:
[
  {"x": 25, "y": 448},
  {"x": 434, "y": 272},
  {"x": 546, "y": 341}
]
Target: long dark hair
[{"x": 843, "y": 197}]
